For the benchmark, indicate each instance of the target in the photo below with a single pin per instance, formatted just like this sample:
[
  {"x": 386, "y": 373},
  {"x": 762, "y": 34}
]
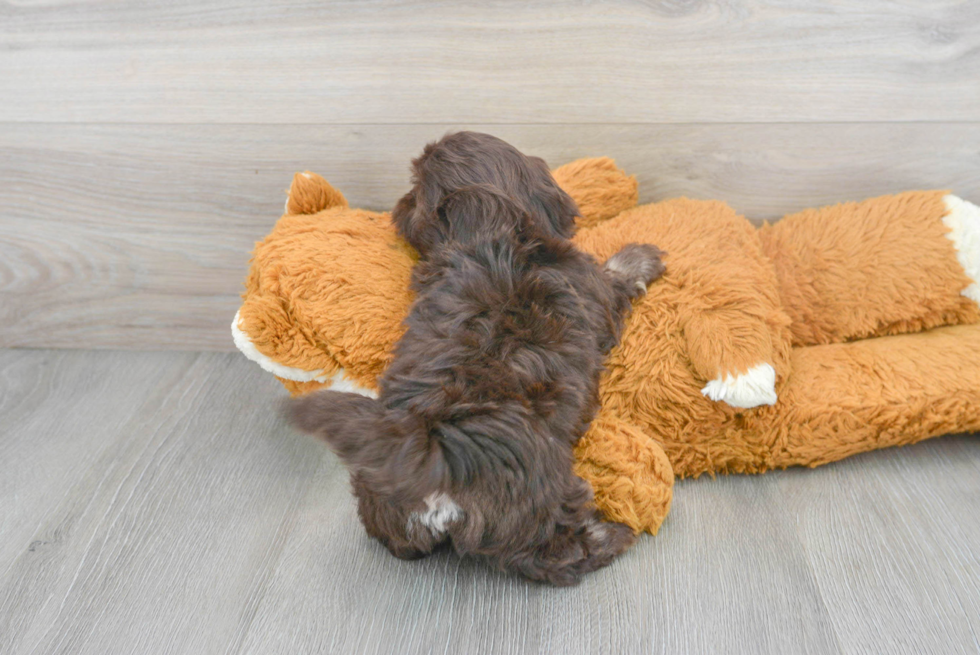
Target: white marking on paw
[
  {"x": 612, "y": 264},
  {"x": 963, "y": 221},
  {"x": 597, "y": 531},
  {"x": 440, "y": 512},
  {"x": 338, "y": 381},
  {"x": 755, "y": 387}
]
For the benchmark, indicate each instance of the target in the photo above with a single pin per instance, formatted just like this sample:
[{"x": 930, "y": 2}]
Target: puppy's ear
[
  {"x": 414, "y": 215},
  {"x": 480, "y": 209},
  {"x": 551, "y": 202},
  {"x": 412, "y": 221},
  {"x": 346, "y": 421}
]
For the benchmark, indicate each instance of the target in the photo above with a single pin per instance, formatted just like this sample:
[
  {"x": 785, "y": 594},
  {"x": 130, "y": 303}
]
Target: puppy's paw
[
  {"x": 636, "y": 265},
  {"x": 572, "y": 553}
]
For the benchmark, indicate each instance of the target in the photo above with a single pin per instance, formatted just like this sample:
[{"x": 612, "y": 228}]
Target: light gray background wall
[{"x": 145, "y": 146}]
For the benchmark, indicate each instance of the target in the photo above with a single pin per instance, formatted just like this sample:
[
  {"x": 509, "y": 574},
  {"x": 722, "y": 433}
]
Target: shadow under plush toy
[{"x": 831, "y": 332}]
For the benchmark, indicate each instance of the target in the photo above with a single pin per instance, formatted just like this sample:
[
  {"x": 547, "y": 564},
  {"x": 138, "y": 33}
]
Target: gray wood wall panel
[
  {"x": 137, "y": 236},
  {"x": 144, "y": 146},
  {"x": 505, "y": 61},
  {"x": 153, "y": 503}
]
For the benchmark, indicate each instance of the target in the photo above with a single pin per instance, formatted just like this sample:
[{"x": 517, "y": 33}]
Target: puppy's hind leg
[
  {"x": 574, "y": 551},
  {"x": 633, "y": 268}
]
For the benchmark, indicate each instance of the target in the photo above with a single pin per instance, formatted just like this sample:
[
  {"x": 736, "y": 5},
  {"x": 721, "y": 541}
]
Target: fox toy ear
[{"x": 309, "y": 193}]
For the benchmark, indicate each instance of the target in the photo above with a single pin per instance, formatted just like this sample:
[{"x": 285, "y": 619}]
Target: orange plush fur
[{"x": 797, "y": 343}]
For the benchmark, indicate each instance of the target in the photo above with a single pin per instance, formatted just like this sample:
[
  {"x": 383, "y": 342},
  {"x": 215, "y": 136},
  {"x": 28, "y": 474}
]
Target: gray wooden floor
[{"x": 153, "y": 503}]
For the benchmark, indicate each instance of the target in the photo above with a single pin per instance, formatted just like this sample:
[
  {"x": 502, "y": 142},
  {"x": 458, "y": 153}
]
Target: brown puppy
[{"x": 495, "y": 379}]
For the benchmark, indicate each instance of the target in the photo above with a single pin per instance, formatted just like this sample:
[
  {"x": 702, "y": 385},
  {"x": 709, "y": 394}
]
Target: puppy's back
[{"x": 503, "y": 322}]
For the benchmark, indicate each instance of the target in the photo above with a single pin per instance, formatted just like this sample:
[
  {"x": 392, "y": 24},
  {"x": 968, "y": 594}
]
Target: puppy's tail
[
  {"x": 394, "y": 455},
  {"x": 343, "y": 420}
]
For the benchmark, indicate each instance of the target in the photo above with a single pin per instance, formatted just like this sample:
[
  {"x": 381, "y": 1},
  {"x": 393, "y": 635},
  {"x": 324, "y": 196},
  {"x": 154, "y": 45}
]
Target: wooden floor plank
[
  {"x": 892, "y": 537},
  {"x": 160, "y": 506},
  {"x": 396, "y": 61},
  {"x": 56, "y": 426},
  {"x": 138, "y": 236},
  {"x": 162, "y": 541}
]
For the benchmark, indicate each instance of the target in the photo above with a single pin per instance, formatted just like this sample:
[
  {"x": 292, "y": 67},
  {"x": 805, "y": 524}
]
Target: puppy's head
[
  {"x": 483, "y": 481},
  {"x": 465, "y": 159}
]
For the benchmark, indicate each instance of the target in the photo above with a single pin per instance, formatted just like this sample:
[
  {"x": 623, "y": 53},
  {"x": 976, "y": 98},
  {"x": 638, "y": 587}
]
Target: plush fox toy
[{"x": 828, "y": 333}]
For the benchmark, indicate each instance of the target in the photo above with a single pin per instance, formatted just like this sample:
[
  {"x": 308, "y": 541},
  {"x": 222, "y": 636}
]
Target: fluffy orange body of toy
[{"x": 828, "y": 333}]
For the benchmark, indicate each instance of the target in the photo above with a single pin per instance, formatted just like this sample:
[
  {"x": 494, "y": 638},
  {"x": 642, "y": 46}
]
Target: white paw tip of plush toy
[
  {"x": 963, "y": 221},
  {"x": 755, "y": 387}
]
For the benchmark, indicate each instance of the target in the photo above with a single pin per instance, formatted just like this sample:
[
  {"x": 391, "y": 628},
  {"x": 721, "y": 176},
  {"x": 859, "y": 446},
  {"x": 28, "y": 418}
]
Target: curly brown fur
[
  {"x": 464, "y": 159},
  {"x": 496, "y": 377}
]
